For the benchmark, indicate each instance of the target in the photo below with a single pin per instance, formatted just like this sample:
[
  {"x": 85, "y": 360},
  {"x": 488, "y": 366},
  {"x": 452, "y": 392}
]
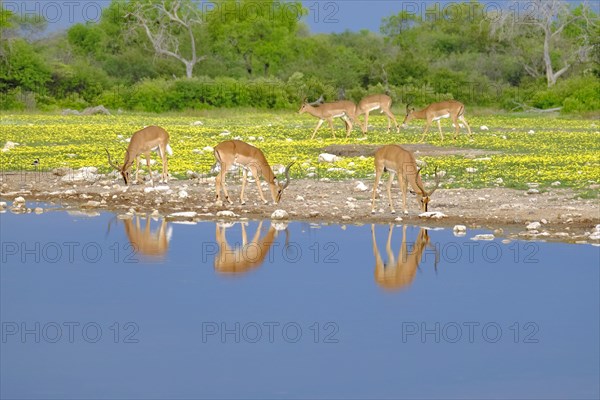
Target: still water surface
[{"x": 249, "y": 311}]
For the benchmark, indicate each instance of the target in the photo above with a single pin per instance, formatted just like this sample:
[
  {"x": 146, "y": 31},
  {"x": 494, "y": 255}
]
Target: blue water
[{"x": 86, "y": 315}]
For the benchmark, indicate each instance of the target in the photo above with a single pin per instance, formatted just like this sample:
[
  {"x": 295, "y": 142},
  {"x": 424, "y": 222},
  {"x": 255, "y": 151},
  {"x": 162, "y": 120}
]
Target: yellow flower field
[{"x": 531, "y": 149}]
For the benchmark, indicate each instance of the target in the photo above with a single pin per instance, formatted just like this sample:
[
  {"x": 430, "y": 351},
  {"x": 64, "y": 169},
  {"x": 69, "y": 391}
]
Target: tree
[
  {"x": 553, "y": 19},
  {"x": 261, "y": 35},
  {"x": 171, "y": 27}
]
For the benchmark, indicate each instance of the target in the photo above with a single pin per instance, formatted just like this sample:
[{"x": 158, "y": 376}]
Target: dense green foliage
[{"x": 244, "y": 53}]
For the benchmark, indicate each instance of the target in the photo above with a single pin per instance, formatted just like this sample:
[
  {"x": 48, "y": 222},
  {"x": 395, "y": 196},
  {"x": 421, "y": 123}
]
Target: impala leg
[
  {"x": 221, "y": 184},
  {"x": 149, "y": 170},
  {"x": 366, "y": 128},
  {"x": 377, "y": 178},
  {"x": 456, "y": 126},
  {"x": 402, "y": 181},
  {"x": 137, "y": 168},
  {"x": 462, "y": 118},
  {"x": 244, "y": 177},
  {"x": 257, "y": 177},
  {"x": 389, "y": 191},
  {"x": 317, "y": 128},
  {"x": 348, "y": 126},
  {"x": 391, "y": 116},
  {"x": 440, "y": 129},
  {"x": 330, "y": 122},
  {"x": 388, "y": 247},
  {"x": 425, "y": 131},
  {"x": 163, "y": 154}
]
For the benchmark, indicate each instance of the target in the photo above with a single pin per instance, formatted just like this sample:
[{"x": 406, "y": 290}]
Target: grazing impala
[
  {"x": 143, "y": 142},
  {"x": 380, "y": 102},
  {"x": 346, "y": 110},
  {"x": 436, "y": 111},
  {"x": 236, "y": 152},
  {"x": 247, "y": 257},
  {"x": 146, "y": 242},
  {"x": 399, "y": 272},
  {"x": 397, "y": 160}
]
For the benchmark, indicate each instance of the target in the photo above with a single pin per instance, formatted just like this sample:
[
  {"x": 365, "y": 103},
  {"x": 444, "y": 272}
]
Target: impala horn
[
  {"x": 437, "y": 183},
  {"x": 110, "y": 161},
  {"x": 287, "y": 175}
]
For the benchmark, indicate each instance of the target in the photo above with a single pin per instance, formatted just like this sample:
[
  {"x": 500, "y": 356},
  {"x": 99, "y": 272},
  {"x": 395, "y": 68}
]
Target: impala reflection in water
[
  {"x": 399, "y": 272},
  {"x": 248, "y": 256},
  {"x": 148, "y": 243}
]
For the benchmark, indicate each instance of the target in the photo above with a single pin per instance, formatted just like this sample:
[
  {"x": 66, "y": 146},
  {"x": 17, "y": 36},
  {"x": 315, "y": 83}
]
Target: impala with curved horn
[
  {"x": 397, "y": 160},
  {"x": 236, "y": 152},
  {"x": 435, "y": 112},
  {"x": 143, "y": 142}
]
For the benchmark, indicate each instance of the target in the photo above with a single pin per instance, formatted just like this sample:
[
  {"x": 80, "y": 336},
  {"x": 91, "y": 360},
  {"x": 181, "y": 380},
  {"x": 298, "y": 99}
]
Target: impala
[
  {"x": 143, "y": 142},
  {"x": 146, "y": 242},
  {"x": 399, "y": 272},
  {"x": 250, "y": 158},
  {"x": 397, "y": 160},
  {"x": 380, "y": 102},
  {"x": 346, "y": 110},
  {"x": 249, "y": 256},
  {"x": 435, "y": 112}
]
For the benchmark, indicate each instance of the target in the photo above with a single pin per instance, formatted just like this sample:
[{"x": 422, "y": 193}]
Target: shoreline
[{"x": 504, "y": 212}]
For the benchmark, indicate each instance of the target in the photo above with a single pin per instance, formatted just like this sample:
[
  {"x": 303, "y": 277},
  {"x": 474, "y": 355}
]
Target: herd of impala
[{"x": 389, "y": 158}]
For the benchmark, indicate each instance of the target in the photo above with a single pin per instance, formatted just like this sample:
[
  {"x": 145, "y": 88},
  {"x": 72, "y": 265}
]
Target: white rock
[
  {"x": 183, "y": 214},
  {"x": 533, "y": 191},
  {"x": 398, "y": 219},
  {"x": 534, "y": 226},
  {"x": 38, "y": 210},
  {"x": 330, "y": 158},
  {"x": 531, "y": 132},
  {"x": 485, "y": 236},
  {"x": 279, "y": 214},
  {"x": 225, "y": 133},
  {"x": 459, "y": 228},
  {"x": 346, "y": 217},
  {"x": 432, "y": 214},
  {"x": 183, "y": 194},
  {"x": 483, "y": 159},
  {"x": 299, "y": 198},
  {"x": 2, "y": 205},
  {"x": 499, "y": 181},
  {"x": 91, "y": 203},
  {"x": 555, "y": 183},
  {"x": 361, "y": 187},
  {"x": 19, "y": 200},
  {"x": 279, "y": 226},
  {"x": 197, "y": 123},
  {"x": 484, "y": 128},
  {"x": 208, "y": 148},
  {"x": 471, "y": 170},
  {"x": 227, "y": 213}
]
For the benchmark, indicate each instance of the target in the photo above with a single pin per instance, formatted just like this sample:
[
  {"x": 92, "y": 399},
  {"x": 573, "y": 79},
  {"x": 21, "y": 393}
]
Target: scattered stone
[
  {"x": 533, "y": 191},
  {"x": 398, "y": 219},
  {"x": 484, "y": 128},
  {"x": 91, "y": 204},
  {"x": 2, "y": 205},
  {"x": 19, "y": 200},
  {"x": 485, "y": 236},
  {"x": 471, "y": 170},
  {"x": 329, "y": 158},
  {"x": 555, "y": 183},
  {"x": 9, "y": 146},
  {"x": 531, "y": 132},
  {"x": 183, "y": 194},
  {"x": 299, "y": 198},
  {"x": 432, "y": 214},
  {"x": 313, "y": 214},
  {"x": 361, "y": 187},
  {"x": 183, "y": 214},
  {"x": 279, "y": 214},
  {"x": 197, "y": 123},
  {"x": 534, "y": 226},
  {"x": 346, "y": 217},
  {"x": 227, "y": 213},
  {"x": 38, "y": 210},
  {"x": 459, "y": 228}
]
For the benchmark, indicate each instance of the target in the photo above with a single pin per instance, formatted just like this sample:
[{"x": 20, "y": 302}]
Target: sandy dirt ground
[{"x": 504, "y": 212}]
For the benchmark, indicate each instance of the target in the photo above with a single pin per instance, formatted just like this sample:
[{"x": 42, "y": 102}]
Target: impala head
[
  {"x": 123, "y": 169},
  {"x": 304, "y": 107},
  {"x": 424, "y": 197},
  {"x": 281, "y": 186},
  {"x": 409, "y": 115}
]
